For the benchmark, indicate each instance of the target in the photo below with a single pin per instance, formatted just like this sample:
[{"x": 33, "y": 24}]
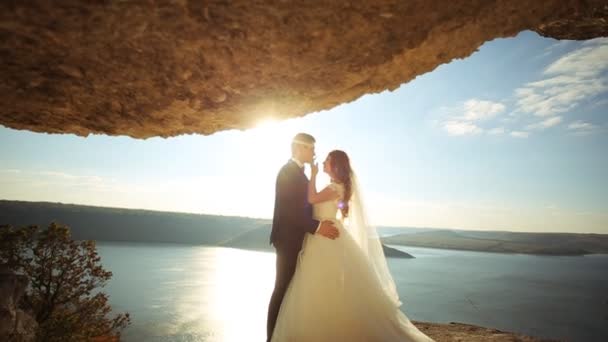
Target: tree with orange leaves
[{"x": 64, "y": 276}]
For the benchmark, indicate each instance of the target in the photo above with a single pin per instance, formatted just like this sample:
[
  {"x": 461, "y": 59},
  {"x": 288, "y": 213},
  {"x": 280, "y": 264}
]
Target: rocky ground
[{"x": 471, "y": 333}]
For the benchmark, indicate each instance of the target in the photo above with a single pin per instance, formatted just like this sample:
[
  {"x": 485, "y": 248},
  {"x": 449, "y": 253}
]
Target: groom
[{"x": 292, "y": 220}]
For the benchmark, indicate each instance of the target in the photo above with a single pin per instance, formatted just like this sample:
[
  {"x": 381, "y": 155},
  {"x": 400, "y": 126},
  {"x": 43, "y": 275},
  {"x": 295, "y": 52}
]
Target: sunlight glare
[
  {"x": 243, "y": 282},
  {"x": 266, "y": 147}
]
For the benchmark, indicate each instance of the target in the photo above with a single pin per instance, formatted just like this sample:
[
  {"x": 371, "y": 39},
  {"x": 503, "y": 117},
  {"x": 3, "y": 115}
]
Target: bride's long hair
[
  {"x": 358, "y": 225},
  {"x": 340, "y": 166}
]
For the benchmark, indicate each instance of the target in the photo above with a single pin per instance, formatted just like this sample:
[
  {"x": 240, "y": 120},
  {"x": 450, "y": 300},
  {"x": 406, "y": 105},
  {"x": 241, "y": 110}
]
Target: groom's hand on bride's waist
[{"x": 328, "y": 230}]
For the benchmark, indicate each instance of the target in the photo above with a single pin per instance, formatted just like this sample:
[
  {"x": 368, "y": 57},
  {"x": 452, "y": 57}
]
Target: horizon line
[{"x": 270, "y": 219}]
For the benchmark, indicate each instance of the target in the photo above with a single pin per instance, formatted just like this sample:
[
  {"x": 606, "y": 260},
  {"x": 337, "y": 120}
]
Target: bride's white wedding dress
[{"x": 336, "y": 293}]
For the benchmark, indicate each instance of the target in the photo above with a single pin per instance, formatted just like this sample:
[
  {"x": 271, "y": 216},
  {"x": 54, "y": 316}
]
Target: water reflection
[
  {"x": 241, "y": 287},
  {"x": 192, "y": 293},
  {"x": 186, "y": 293},
  {"x": 223, "y": 296}
]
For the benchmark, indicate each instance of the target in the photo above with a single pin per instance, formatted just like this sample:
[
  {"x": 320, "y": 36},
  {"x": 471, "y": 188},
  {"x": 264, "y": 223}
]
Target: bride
[{"x": 342, "y": 289}]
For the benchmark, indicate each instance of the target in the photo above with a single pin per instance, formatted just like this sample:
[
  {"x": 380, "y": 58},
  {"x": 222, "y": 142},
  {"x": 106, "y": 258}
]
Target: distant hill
[
  {"x": 116, "y": 224},
  {"x": 505, "y": 242},
  {"x": 257, "y": 239},
  {"x": 391, "y": 231},
  {"x": 254, "y": 239}
]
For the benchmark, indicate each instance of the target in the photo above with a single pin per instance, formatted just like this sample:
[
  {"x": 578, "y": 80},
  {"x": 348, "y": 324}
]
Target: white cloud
[
  {"x": 555, "y": 47},
  {"x": 582, "y": 128},
  {"x": 550, "y": 122},
  {"x": 590, "y": 60},
  {"x": 594, "y": 41},
  {"x": 481, "y": 110},
  {"x": 461, "y": 120},
  {"x": 580, "y": 125},
  {"x": 561, "y": 80},
  {"x": 520, "y": 134},
  {"x": 572, "y": 79},
  {"x": 456, "y": 128},
  {"x": 577, "y": 77},
  {"x": 497, "y": 131}
]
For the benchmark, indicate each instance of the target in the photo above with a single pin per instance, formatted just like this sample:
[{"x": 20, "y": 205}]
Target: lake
[{"x": 202, "y": 293}]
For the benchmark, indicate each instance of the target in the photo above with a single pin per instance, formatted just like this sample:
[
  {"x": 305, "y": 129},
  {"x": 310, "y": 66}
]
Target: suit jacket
[{"x": 292, "y": 213}]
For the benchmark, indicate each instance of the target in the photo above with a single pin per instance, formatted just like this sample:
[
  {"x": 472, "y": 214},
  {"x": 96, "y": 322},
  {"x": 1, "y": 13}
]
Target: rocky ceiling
[{"x": 164, "y": 68}]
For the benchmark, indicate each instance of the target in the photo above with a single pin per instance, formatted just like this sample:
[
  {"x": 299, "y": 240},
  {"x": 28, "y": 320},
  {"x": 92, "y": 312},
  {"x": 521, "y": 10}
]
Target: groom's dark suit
[{"x": 292, "y": 220}]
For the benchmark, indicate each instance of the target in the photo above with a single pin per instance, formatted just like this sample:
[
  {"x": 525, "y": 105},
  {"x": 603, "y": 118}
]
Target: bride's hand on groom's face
[
  {"x": 314, "y": 169},
  {"x": 328, "y": 230}
]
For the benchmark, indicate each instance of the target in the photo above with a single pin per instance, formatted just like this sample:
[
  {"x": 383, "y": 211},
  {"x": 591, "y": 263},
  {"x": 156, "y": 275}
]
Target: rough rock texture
[
  {"x": 164, "y": 68},
  {"x": 459, "y": 332},
  {"x": 15, "y": 324}
]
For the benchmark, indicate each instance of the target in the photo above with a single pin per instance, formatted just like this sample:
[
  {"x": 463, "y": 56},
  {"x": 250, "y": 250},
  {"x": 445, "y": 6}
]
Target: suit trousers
[{"x": 287, "y": 260}]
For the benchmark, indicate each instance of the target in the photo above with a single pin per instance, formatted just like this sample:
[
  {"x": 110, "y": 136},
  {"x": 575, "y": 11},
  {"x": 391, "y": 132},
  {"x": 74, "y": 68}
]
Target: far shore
[{"x": 148, "y": 226}]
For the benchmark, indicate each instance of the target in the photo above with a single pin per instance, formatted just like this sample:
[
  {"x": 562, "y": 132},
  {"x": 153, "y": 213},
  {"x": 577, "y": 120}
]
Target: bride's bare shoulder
[{"x": 337, "y": 187}]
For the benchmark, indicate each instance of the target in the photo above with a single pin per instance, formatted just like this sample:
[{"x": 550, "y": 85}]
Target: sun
[
  {"x": 266, "y": 124},
  {"x": 269, "y": 133},
  {"x": 266, "y": 146}
]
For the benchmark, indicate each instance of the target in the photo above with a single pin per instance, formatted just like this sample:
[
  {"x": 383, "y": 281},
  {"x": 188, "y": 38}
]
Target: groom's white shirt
[{"x": 301, "y": 165}]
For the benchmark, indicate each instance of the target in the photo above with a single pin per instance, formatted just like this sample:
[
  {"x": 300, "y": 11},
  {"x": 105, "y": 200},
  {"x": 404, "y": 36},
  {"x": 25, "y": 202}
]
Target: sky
[{"x": 513, "y": 138}]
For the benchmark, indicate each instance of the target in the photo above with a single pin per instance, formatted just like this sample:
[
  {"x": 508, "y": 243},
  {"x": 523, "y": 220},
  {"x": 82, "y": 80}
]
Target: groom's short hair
[{"x": 303, "y": 139}]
